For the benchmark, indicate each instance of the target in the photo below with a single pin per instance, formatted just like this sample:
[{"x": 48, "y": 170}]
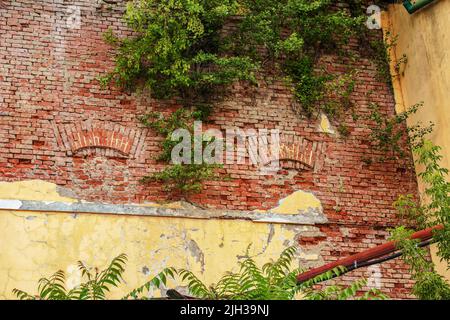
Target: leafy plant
[
  {"x": 175, "y": 49},
  {"x": 429, "y": 285},
  {"x": 292, "y": 35},
  {"x": 390, "y": 135},
  {"x": 182, "y": 178},
  {"x": 382, "y": 52},
  {"x": 435, "y": 210},
  {"x": 276, "y": 280},
  {"x": 95, "y": 287},
  {"x": 192, "y": 50},
  {"x": 410, "y": 211}
]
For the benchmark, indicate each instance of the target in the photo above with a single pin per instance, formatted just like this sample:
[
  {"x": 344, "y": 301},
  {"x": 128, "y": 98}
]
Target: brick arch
[
  {"x": 100, "y": 138},
  {"x": 298, "y": 153}
]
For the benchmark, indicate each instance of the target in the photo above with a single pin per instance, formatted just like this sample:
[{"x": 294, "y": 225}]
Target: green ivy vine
[
  {"x": 434, "y": 210},
  {"x": 382, "y": 52},
  {"x": 191, "y": 50},
  {"x": 389, "y": 134},
  {"x": 182, "y": 178}
]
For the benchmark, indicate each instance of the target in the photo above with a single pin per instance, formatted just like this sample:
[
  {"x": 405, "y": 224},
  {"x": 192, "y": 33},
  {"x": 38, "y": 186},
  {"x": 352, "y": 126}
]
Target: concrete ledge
[{"x": 309, "y": 217}]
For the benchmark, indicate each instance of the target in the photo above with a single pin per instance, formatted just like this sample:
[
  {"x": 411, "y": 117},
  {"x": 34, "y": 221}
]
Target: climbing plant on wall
[
  {"x": 190, "y": 50},
  {"x": 177, "y": 53},
  {"x": 431, "y": 211},
  {"x": 435, "y": 210},
  {"x": 181, "y": 178},
  {"x": 389, "y": 134}
]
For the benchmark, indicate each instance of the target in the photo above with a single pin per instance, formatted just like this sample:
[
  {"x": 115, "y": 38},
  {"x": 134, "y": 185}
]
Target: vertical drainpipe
[{"x": 414, "y": 5}]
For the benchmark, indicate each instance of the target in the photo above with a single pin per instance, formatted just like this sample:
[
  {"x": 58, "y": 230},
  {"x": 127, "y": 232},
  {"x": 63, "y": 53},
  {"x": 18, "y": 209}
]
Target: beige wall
[{"x": 424, "y": 38}]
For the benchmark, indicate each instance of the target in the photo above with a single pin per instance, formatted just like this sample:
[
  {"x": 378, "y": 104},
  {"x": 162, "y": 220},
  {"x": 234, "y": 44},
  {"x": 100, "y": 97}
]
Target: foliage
[
  {"x": 434, "y": 211},
  {"x": 293, "y": 35},
  {"x": 429, "y": 285},
  {"x": 176, "y": 48},
  {"x": 438, "y": 190},
  {"x": 179, "y": 48},
  {"x": 276, "y": 280},
  {"x": 343, "y": 130},
  {"x": 410, "y": 211},
  {"x": 185, "y": 49},
  {"x": 182, "y": 178},
  {"x": 389, "y": 135},
  {"x": 382, "y": 51},
  {"x": 320, "y": 92},
  {"x": 95, "y": 287}
]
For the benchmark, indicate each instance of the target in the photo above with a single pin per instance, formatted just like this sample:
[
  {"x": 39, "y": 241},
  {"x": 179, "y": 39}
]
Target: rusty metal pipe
[{"x": 366, "y": 256}]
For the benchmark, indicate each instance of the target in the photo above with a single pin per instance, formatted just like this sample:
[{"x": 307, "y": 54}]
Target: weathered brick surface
[{"x": 58, "y": 124}]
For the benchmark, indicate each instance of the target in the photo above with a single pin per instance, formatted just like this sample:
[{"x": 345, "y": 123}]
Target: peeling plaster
[
  {"x": 54, "y": 241},
  {"x": 32, "y": 190},
  {"x": 35, "y": 195},
  {"x": 197, "y": 253},
  {"x": 299, "y": 202},
  {"x": 45, "y": 230},
  {"x": 325, "y": 125},
  {"x": 287, "y": 213},
  {"x": 145, "y": 270}
]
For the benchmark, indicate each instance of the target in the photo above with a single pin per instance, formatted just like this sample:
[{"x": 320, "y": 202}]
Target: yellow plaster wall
[
  {"x": 36, "y": 244},
  {"x": 297, "y": 202},
  {"x": 425, "y": 39},
  {"x": 31, "y": 190}
]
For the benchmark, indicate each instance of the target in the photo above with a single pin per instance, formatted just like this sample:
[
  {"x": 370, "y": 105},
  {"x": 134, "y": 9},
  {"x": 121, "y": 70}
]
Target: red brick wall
[{"x": 55, "y": 122}]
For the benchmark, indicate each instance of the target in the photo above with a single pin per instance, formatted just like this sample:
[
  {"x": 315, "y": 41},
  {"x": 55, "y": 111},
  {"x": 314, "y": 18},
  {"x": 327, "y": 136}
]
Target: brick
[{"x": 58, "y": 124}]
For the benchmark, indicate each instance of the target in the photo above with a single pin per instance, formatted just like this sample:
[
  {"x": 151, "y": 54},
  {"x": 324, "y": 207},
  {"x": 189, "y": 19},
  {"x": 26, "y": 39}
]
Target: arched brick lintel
[{"x": 101, "y": 138}]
